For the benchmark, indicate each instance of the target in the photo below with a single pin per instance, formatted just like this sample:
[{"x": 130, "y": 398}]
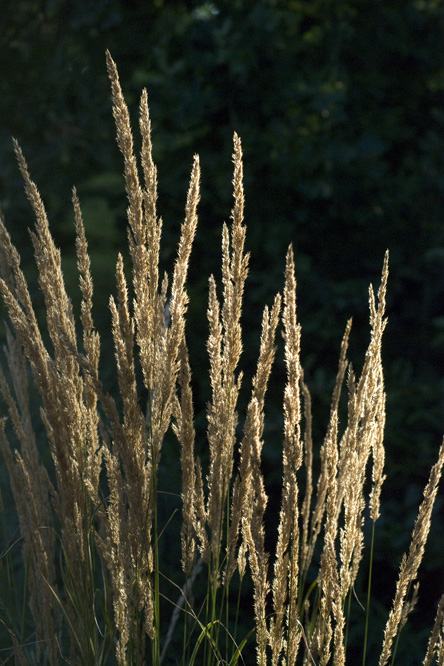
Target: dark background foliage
[{"x": 340, "y": 107}]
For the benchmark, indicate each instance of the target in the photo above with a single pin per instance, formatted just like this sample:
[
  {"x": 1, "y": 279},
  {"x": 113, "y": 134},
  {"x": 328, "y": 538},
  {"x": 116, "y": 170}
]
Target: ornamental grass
[{"x": 86, "y": 579}]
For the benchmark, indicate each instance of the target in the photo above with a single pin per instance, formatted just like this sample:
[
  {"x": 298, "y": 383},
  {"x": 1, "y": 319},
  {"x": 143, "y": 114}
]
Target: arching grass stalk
[{"x": 311, "y": 620}]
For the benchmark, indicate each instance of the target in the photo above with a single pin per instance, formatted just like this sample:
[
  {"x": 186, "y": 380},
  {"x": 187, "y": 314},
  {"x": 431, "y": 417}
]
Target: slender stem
[
  {"x": 369, "y": 589},
  {"x": 156, "y": 641}
]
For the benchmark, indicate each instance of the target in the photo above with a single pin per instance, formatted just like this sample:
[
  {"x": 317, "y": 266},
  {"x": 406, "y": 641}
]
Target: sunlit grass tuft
[{"x": 97, "y": 588}]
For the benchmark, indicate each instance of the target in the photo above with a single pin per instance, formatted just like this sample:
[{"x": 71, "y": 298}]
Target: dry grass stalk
[
  {"x": 410, "y": 561},
  {"x": 224, "y": 349},
  {"x": 286, "y": 567},
  {"x": 434, "y": 646},
  {"x": 320, "y": 646},
  {"x": 312, "y": 526},
  {"x": 184, "y": 429},
  {"x": 249, "y": 496},
  {"x": 248, "y": 480},
  {"x": 364, "y": 434}
]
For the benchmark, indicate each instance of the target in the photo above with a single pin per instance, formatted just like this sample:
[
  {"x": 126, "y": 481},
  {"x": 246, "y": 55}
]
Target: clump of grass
[{"x": 89, "y": 527}]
